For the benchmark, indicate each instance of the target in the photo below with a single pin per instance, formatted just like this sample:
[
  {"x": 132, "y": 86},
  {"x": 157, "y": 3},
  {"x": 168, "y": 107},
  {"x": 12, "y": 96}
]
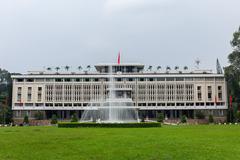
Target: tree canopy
[
  {"x": 5, "y": 96},
  {"x": 232, "y": 72}
]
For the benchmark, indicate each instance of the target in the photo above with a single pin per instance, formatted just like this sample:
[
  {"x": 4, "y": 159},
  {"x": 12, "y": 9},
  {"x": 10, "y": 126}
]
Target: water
[{"x": 117, "y": 108}]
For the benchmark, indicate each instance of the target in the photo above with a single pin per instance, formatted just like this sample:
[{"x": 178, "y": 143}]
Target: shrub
[
  {"x": 74, "y": 118},
  {"x": 142, "y": 119},
  {"x": 200, "y": 115},
  {"x": 108, "y": 125},
  {"x": 54, "y": 119},
  {"x": 183, "y": 119},
  {"x": 210, "y": 119},
  {"x": 238, "y": 116},
  {"x": 160, "y": 117},
  {"x": 25, "y": 120},
  {"x": 230, "y": 115},
  {"x": 39, "y": 115}
]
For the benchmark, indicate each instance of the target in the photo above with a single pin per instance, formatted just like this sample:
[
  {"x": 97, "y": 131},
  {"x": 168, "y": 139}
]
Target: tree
[
  {"x": 25, "y": 120},
  {"x": 238, "y": 116},
  {"x": 210, "y": 118},
  {"x": 160, "y": 117},
  {"x": 5, "y": 96},
  {"x": 49, "y": 69},
  {"x": 39, "y": 115},
  {"x": 185, "y": 68},
  {"x": 88, "y": 67},
  {"x": 183, "y": 119},
  {"x": 159, "y": 67},
  {"x": 168, "y": 68},
  {"x": 176, "y": 68},
  {"x": 232, "y": 74},
  {"x": 79, "y": 68},
  {"x": 67, "y": 68},
  {"x": 74, "y": 118},
  {"x": 150, "y": 68},
  {"x": 54, "y": 119},
  {"x": 200, "y": 115},
  {"x": 230, "y": 115},
  {"x": 57, "y": 69}
]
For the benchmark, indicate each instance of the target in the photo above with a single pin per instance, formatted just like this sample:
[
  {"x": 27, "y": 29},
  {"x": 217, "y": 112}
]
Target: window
[
  {"x": 161, "y": 79},
  {"x": 209, "y": 79},
  {"x": 130, "y": 79},
  {"x": 78, "y": 79},
  {"x": 39, "y": 89},
  {"x": 96, "y": 79},
  {"x": 219, "y": 88},
  {"x": 19, "y": 97},
  {"x": 39, "y": 80},
  {"x": 39, "y": 97},
  {"x": 199, "y": 93},
  {"x": 19, "y": 90},
  {"x": 119, "y": 79},
  {"x": 39, "y": 94},
  {"x": 29, "y": 94},
  {"x": 30, "y": 80},
  {"x": 58, "y": 80},
  {"x": 141, "y": 79},
  {"x": 209, "y": 93},
  {"x": 86, "y": 79},
  {"x": 170, "y": 79},
  {"x": 51, "y": 80},
  {"x": 179, "y": 79},
  {"x": 220, "y": 93},
  {"x": 67, "y": 80},
  {"x": 19, "y": 94},
  {"x": 29, "y": 89},
  {"x": 19, "y": 80}
]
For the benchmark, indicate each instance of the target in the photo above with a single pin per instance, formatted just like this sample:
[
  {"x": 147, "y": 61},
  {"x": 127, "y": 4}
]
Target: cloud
[{"x": 112, "y": 6}]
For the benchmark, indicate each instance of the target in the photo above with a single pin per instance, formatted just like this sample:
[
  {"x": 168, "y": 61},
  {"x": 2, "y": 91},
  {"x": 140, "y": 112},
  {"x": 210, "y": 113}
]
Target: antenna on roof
[
  {"x": 197, "y": 63},
  {"x": 219, "y": 68}
]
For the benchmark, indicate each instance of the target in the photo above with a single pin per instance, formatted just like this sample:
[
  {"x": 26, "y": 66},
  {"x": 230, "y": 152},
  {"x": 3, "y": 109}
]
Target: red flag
[
  {"x": 119, "y": 57},
  {"x": 230, "y": 101}
]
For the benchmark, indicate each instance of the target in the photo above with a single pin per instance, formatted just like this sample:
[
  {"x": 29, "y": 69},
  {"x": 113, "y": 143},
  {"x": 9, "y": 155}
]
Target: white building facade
[{"x": 172, "y": 93}]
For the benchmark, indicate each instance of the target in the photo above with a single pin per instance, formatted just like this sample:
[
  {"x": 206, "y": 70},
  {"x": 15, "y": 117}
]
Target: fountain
[{"x": 116, "y": 108}]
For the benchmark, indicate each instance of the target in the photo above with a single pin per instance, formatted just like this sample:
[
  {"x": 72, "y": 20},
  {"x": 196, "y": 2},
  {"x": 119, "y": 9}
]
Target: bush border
[{"x": 107, "y": 125}]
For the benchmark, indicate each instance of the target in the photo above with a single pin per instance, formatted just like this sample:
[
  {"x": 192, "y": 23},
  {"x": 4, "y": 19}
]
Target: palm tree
[
  {"x": 168, "y": 68},
  {"x": 159, "y": 67},
  {"x": 57, "y": 69},
  {"x": 176, "y": 68},
  {"x": 49, "y": 69},
  {"x": 150, "y": 68},
  {"x": 79, "y": 68},
  {"x": 88, "y": 67},
  {"x": 67, "y": 68}
]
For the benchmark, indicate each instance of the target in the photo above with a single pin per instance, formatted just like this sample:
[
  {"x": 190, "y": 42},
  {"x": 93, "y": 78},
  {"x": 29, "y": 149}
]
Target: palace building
[{"x": 174, "y": 93}]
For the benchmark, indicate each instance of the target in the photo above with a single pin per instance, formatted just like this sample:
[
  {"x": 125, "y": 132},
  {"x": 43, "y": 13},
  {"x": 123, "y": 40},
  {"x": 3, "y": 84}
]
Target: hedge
[{"x": 108, "y": 125}]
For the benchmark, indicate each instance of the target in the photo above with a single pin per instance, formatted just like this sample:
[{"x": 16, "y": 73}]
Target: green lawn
[{"x": 168, "y": 142}]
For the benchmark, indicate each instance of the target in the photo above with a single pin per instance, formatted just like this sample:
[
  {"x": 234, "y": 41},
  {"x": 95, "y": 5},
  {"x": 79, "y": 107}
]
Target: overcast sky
[{"x": 38, "y": 33}]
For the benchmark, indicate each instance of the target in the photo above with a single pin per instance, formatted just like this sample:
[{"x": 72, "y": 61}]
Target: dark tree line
[
  {"x": 5, "y": 97},
  {"x": 232, "y": 74}
]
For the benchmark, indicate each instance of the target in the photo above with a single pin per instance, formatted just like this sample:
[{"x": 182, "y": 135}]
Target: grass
[{"x": 168, "y": 142}]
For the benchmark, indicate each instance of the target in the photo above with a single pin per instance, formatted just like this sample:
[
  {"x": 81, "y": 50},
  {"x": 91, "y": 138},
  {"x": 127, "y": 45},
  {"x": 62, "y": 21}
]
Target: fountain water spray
[{"x": 116, "y": 108}]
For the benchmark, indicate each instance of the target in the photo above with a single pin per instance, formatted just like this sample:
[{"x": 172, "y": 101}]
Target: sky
[{"x": 47, "y": 33}]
